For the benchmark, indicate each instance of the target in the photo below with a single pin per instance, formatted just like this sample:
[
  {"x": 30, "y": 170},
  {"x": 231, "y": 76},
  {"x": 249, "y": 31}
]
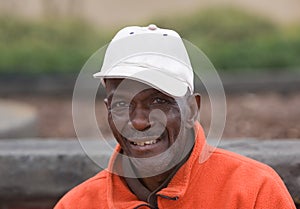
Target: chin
[{"x": 158, "y": 164}]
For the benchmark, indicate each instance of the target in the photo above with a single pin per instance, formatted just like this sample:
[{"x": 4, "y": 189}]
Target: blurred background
[{"x": 254, "y": 45}]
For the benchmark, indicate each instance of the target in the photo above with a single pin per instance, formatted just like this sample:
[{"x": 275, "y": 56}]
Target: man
[{"x": 162, "y": 159}]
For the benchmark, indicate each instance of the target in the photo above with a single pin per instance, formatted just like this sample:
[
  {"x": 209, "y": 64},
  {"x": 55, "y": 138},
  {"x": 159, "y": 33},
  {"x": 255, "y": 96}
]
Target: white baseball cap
[{"x": 150, "y": 55}]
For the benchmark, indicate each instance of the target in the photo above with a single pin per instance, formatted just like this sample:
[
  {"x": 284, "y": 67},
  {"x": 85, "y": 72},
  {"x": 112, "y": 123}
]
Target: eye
[{"x": 119, "y": 104}]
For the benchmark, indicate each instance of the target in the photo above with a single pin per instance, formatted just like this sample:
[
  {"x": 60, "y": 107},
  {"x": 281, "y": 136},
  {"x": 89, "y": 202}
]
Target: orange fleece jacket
[{"x": 224, "y": 181}]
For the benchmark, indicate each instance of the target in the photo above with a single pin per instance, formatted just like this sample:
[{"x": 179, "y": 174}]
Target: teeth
[
  {"x": 151, "y": 142},
  {"x": 145, "y": 143},
  {"x": 139, "y": 143}
]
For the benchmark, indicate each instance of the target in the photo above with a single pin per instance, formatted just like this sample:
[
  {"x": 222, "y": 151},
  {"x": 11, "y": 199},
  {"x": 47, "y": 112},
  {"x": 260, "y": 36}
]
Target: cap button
[{"x": 152, "y": 27}]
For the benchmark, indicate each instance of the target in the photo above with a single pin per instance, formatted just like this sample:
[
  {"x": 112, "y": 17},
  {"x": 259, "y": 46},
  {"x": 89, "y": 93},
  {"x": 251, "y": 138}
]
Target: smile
[
  {"x": 144, "y": 143},
  {"x": 146, "y": 146}
]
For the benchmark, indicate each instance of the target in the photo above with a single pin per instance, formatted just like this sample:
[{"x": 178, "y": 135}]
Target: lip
[
  {"x": 143, "y": 139},
  {"x": 147, "y": 150},
  {"x": 141, "y": 150}
]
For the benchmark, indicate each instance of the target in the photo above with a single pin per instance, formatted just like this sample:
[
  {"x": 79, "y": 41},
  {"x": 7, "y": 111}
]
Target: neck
[{"x": 154, "y": 182}]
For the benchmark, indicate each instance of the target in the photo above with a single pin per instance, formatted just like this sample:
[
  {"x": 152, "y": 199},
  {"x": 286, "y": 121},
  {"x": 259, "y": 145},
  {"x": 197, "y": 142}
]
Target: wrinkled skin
[{"x": 153, "y": 115}]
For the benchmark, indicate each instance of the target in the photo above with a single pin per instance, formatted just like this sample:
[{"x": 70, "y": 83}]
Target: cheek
[
  {"x": 111, "y": 124},
  {"x": 115, "y": 126},
  {"x": 116, "y": 121},
  {"x": 173, "y": 123}
]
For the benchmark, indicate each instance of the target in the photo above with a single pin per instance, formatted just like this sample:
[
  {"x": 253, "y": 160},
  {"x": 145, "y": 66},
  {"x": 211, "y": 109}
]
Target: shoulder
[
  {"x": 242, "y": 163},
  {"x": 235, "y": 158},
  {"x": 241, "y": 168},
  {"x": 250, "y": 178},
  {"x": 87, "y": 192}
]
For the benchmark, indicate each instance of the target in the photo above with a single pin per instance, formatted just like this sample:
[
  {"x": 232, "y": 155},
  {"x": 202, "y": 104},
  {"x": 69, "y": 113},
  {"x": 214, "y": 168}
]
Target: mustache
[{"x": 153, "y": 132}]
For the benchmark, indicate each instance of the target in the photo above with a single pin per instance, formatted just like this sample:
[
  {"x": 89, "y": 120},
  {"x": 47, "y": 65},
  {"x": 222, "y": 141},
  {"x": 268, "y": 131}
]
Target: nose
[{"x": 139, "y": 119}]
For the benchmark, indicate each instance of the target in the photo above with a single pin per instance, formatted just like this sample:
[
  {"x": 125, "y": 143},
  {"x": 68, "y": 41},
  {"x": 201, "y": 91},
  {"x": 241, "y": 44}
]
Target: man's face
[{"x": 141, "y": 134}]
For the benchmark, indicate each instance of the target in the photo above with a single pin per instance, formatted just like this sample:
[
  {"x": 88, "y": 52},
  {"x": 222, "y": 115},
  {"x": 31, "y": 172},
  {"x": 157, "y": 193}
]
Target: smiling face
[{"x": 145, "y": 121}]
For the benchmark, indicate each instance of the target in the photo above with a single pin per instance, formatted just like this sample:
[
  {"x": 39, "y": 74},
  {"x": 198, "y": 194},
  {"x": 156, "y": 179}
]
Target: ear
[{"x": 194, "y": 103}]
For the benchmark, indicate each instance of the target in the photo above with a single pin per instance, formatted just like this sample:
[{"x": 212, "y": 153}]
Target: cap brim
[{"x": 152, "y": 77}]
